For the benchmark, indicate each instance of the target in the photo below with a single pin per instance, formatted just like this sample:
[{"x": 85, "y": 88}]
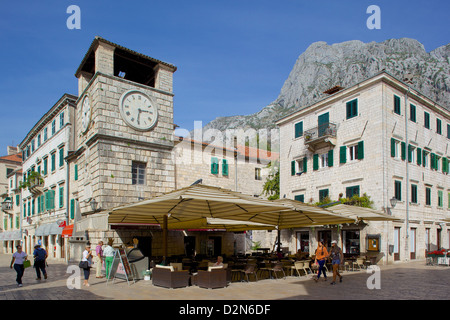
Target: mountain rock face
[{"x": 323, "y": 66}]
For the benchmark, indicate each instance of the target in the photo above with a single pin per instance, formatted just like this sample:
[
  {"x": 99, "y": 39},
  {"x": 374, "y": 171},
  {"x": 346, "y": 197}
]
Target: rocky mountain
[{"x": 323, "y": 66}]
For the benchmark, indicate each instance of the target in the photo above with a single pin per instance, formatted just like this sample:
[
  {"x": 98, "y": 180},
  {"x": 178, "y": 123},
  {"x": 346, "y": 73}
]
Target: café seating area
[{"x": 182, "y": 271}]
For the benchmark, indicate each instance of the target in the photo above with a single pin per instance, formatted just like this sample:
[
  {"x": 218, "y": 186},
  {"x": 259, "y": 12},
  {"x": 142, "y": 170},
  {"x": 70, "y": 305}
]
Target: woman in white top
[
  {"x": 17, "y": 259},
  {"x": 87, "y": 256}
]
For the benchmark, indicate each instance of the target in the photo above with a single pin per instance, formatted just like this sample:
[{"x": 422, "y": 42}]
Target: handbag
[
  {"x": 26, "y": 264},
  {"x": 83, "y": 265}
]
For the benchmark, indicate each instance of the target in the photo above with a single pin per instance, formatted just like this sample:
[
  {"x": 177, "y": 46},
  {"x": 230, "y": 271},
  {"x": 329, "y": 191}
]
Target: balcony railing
[{"x": 324, "y": 130}]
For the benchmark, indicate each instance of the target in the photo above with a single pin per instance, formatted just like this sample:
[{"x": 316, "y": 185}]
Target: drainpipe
[{"x": 407, "y": 173}]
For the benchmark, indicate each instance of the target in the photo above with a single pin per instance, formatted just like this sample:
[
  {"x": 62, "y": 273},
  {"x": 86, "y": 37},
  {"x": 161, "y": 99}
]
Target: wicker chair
[
  {"x": 166, "y": 277},
  {"x": 213, "y": 278},
  {"x": 250, "y": 269}
]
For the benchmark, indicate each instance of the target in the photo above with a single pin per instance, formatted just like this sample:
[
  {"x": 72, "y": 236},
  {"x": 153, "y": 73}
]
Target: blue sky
[{"x": 232, "y": 56}]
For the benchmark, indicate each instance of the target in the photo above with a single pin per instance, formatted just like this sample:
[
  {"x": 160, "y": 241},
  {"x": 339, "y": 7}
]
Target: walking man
[
  {"x": 40, "y": 255},
  {"x": 337, "y": 258}
]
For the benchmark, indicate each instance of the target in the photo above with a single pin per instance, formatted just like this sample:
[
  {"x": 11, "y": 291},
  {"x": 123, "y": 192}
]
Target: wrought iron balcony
[{"x": 321, "y": 136}]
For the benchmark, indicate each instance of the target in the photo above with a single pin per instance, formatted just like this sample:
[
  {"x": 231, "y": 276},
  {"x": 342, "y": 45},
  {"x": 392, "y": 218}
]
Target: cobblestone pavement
[{"x": 405, "y": 281}]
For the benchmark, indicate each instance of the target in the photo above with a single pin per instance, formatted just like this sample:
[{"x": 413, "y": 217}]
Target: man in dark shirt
[{"x": 40, "y": 255}]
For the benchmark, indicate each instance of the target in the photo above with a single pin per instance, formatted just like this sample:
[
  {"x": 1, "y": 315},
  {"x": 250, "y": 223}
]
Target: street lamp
[
  {"x": 393, "y": 202},
  {"x": 94, "y": 205}
]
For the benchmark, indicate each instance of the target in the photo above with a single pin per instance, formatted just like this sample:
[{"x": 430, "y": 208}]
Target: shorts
[{"x": 336, "y": 261}]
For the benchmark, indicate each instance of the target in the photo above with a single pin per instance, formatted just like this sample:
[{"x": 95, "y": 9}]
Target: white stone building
[
  {"x": 379, "y": 137},
  {"x": 45, "y": 202}
]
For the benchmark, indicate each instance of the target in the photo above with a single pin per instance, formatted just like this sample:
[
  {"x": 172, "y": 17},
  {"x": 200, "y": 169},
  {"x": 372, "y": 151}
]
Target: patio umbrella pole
[{"x": 165, "y": 237}]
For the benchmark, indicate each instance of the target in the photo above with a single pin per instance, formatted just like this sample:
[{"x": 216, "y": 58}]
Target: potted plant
[{"x": 147, "y": 275}]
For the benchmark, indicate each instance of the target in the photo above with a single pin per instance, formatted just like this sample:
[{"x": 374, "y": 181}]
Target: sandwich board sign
[{"x": 120, "y": 267}]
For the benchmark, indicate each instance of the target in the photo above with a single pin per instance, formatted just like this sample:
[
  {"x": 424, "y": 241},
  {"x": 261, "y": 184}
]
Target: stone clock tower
[{"x": 124, "y": 128}]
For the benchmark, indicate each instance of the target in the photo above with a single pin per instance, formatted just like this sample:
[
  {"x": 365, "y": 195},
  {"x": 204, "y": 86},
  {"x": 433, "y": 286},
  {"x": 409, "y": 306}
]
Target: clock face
[
  {"x": 138, "y": 110},
  {"x": 85, "y": 113}
]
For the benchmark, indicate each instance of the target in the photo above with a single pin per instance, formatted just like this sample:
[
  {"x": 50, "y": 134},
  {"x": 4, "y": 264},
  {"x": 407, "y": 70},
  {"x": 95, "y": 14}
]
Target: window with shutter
[
  {"x": 225, "y": 167},
  {"x": 323, "y": 194},
  {"x": 413, "y": 193},
  {"x": 351, "y": 191},
  {"x": 397, "y": 104},
  {"x": 426, "y": 116},
  {"x": 439, "y": 126},
  {"x": 300, "y": 197},
  {"x": 214, "y": 165},
  {"x": 305, "y": 164},
  {"x": 398, "y": 190},
  {"x": 72, "y": 208},
  {"x": 412, "y": 113},
  {"x": 76, "y": 172},
  {"x": 293, "y": 168},
  {"x": 61, "y": 157},
  {"x": 428, "y": 196},
  {"x": 352, "y": 108},
  {"x": 298, "y": 129},
  {"x": 61, "y": 197}
]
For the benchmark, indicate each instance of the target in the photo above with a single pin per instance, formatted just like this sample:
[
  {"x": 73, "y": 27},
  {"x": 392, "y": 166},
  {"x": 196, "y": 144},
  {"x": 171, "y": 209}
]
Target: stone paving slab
[{"x": 405, "y": 281}]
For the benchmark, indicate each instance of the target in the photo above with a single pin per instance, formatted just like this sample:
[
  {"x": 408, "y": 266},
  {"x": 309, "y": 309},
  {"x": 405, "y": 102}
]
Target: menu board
[{"x": 120, "y": 267}]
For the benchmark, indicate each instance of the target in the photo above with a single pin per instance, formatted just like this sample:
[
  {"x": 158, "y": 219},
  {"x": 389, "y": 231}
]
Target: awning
[
  {"x": 67, "y": 231},
  {"x": 11, "y": 235},
  {"x": 48, "y": 229}
]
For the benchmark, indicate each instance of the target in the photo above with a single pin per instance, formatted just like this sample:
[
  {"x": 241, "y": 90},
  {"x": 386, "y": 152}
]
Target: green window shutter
[
  {"x": 398, "y": 190},
  {"x": 299, "y": 129},
  {"x": 24, "y": 210},
  {"x": 61, "y": 157},
  {"x": 330, "y": 158},
  {"x": 52, "y": 201},
  {"x": 440, "y": 198},
  {"x": 29, "y": 208},
  {"x": 17, "y": 199},
  {"x": 352, "y": 108},
  {"x": 225, "y": 167},
  {"x": 214, "y": 165},
  {"x": 316, "y": 162},
  {"x": 419, "y": 156},
  {"x": 42, "y": 203},
  {"x": 343, "y": 154},
  {"x": 426, "y": 120},
  {"x": 72, "y": 208},
  {"x": 412, "y": 112},
  {"x": 305, "y": 164},
  {"x": 45, "y": 201},
  {"x": 293, "y": 168},
  {"x": 33, "y": 207},
  {"x": 414, "y": 193},
  {"x": 360, "y": 150},
  {"x": 403, "y": 150},
  {"x": 393, "y": 147},
  {"x": 439, "y": 126},
  {"x": 410, "y": 152},
  {"x": 61, "y": 197},
  {"x": 300, "y": 198},
  {"x": 397, "y": 104},
  {"x": 39, "y": 205},
  {"x": 432, "y": 161},
  {"x": 53, "y": 164},
  {"x": 17, "y": 222},
  {"x": 76, "y": 172},
  {"x": 323, "y": 194},
  {"x": 45, "y": 166}
]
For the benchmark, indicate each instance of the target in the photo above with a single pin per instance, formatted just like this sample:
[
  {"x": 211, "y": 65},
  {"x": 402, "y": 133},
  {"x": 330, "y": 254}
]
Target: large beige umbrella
[
  {"x": 360, "y": 213},
  {"x": 190, "y": 203}
]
